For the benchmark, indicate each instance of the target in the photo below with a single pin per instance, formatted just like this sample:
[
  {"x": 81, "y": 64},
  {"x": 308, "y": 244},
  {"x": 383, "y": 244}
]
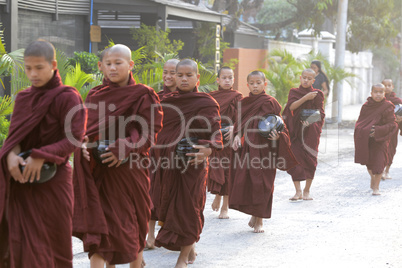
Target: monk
[
  {"x": 187, "y": 113},
  {"x": 112, "y": 203},
  {"x": 36, "y": 218},
  {"x": 305, "y": 137},
  {"x": 169, "y": 85},
  {"x": 252, "y": 185},
  {"x": 169, "y": 77},
  {"x": 393, "y": 143},
  {"x": 373, "y": 131},
  {"x": 218, "y": 176}
]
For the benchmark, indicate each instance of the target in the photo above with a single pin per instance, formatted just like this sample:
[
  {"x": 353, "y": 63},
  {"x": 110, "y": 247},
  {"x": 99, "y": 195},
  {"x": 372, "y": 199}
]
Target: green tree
[
  {"x": 155, "y": 41},
  {"x": 88, "y": 61}
]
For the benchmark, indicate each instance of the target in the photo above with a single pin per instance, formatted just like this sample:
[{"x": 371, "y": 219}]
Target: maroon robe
[
  {"x": 164, "y": 91},
  {"x": 305, "y": 140},
  {"x": 252, "y": 185},
  {"x": 393, "y": 143},
  {"x": 112, "y": 205},
  {"x": 36, "y": 219},
  {"x": 218, "y": 176},
  {"x": 372, "y": 152},
  {"x": 183, "y": 191}
]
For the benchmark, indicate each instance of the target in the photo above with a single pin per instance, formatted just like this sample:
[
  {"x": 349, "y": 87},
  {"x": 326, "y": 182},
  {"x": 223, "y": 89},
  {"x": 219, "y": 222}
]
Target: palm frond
[
  {"x": 96, "y": 81},
  {"x": 6, "y": 105},
  {"x": 62, "y": 64},
  {"x": 77, "y": 78}
]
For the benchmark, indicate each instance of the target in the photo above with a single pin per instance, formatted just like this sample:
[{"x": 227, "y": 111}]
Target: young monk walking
[
  {"x": 305, "y": 137},
  {"x": 187, "y": 113},
  {"x": 112, "y": 203},
  {"x": 373, "y": 131},
  {"x": 393, "y": 143},
  {"x": 36, "y": 218},
  {"x": 218, "y": 176},
  {"x": 252, "y": 187},
  {"x": 169, "y": 85}
]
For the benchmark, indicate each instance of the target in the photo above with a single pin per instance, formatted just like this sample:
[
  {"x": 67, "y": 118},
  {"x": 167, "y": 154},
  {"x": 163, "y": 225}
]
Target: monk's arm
[
  {"x": 142, "y": 129},
  {"x": 73, "y": 125},
  {"x": 385, "y": 131},
  {"x": 212, "y": 121},
  {"x": 299, "y": 102}
]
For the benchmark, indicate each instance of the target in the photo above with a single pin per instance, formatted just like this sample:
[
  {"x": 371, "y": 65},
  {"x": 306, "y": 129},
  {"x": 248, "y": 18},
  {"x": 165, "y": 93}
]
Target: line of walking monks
[{"x": 111, "y": 205}]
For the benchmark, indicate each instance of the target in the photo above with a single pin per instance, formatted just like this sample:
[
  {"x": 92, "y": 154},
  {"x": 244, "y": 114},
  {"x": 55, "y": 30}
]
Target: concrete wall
[
  {"x": 68, "y": 34},
  {"x": 249, "y": 60}
]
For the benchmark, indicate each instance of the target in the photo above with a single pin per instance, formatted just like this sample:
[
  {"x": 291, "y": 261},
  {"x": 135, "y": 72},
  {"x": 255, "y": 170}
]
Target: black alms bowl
[
  {"x": 47, "y": 172},
  {"x": 270, "y": 123},
  {"x": 310, "y": 115},
  {"x": 398, "y": 109},
  {"x": 185, "y": 146},
  {"x": 101, "y": 149}
]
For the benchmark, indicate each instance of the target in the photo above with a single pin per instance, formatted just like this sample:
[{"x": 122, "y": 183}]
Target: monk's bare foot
[
  {"x": 306, "y": 196},
  {"x": 216, "y": 204},
  {"x": 258, "y": 225},
  {"x": 224, "y": 214},
  {"x": 150, "y": 244},
  {"x": 143, "y": 264},
  {"x": 386, "y": 176},
  {"x": 376, "y": 192},
  {"x": 192, "y": 255},
  {"x": 297, "y": 196},
  {"x": 251, "y": 223}
]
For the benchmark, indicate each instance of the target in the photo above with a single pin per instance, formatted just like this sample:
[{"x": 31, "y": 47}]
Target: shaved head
[
  {"x": 309, "y": 70},
  {"x": 377, "y": 86},
  {"x": 41, "y": 48},
  {"x": 124, "y": 50},
  {"x": 387, "y": 80},
  {"x": 188, "y": 62},
  {"x": 172, "y": 61}
]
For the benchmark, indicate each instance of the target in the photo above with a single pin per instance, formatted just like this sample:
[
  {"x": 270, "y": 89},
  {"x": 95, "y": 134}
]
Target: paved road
[{"x": 345, "y": 226}]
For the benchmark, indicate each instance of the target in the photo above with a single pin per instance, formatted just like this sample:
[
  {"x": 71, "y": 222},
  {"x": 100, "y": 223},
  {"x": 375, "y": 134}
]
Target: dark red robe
[
  {"x": 372, "y": 152},
  {"x": 36, "y": 219},
  {"x": 393, "y": 143},
  {"x": 305, "y": 140},
  {"x": 112, "y": 205},
  {"x": 164, "y": 91},
  {"x": 183, "y": 191},
  {"x": 218, "y": 176},
  {"x": 154, "y": 191},
  {"x": 255, "y": 163}
]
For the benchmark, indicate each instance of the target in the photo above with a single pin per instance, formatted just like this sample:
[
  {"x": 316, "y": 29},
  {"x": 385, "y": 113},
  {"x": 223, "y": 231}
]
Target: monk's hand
[
  {"x": 310, "y": 95},
  {"x": 372, "y": 132},
  {"x": 201, "y": 155},
  {"x": 274, "y": 135},
  {"x": 110, "y": 157},
  {"x": 84, "y": 148},
  {"x": 32, "y": 169},
  {"x": 398, "y": 119},
  {"x": 13, "y": 163},
  {"x": 236, "y": 143},
  {"x": 305, "y": 123},
  {"x": 229, "y": 135}
]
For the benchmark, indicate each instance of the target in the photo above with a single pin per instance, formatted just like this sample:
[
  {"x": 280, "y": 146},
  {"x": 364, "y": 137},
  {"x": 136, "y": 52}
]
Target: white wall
[{"x": 357, "y": 63}]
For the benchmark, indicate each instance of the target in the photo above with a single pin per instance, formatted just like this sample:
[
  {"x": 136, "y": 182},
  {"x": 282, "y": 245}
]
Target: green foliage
[
  {"x": 88, "y": 61},
  {"x": 206, "y": 43},
  {"x": 96, "y": 80},
  {"x": 283, "y": 74},
  {"x": 6, "y": 108},
  {"x": 155, "y": 40},
  {"x": 151, "y": 77},
  {"x": 285, "y": 70},
  {"x": 77, "y": 78},
  {"x": 207, "y": 78}
]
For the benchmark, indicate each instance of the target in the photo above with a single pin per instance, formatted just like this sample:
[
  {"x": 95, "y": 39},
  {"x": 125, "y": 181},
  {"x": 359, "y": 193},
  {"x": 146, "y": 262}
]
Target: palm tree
[{"x": 283, "y": 74}]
